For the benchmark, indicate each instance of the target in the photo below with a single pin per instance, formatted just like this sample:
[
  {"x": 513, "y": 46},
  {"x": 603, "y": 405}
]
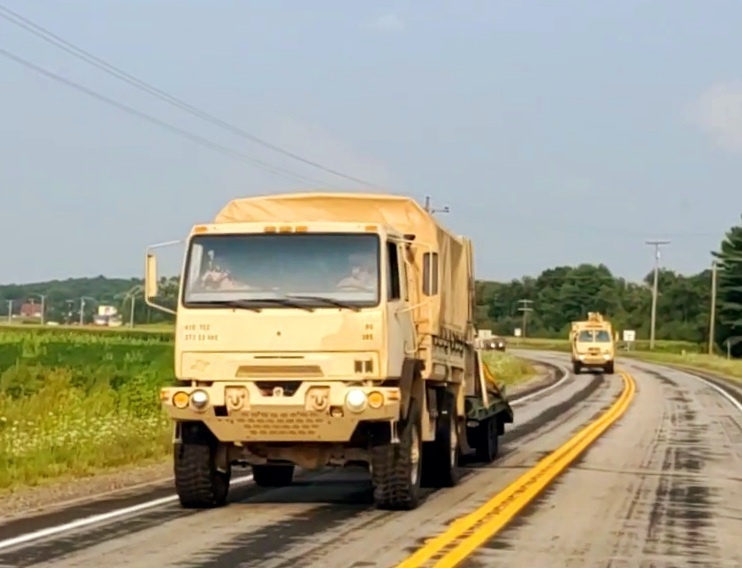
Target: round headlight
[
  {"x": 356, "y": 400},
  {"x": 199, "y": 399}
]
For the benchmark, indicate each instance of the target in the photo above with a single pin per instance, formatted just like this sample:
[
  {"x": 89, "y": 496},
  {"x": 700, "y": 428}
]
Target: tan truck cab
[
  {"x": 593, "y": 344},
  {"x": 327, "y": 329}
]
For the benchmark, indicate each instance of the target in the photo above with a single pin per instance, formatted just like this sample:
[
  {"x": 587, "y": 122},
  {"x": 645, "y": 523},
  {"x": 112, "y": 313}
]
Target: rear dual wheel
[{"x": 441, "y": 458}]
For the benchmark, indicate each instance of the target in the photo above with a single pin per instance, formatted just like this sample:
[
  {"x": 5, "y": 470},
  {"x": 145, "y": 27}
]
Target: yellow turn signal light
[
  {"x": 375, "y": 399},
  {"x": 181, "y": 399}
]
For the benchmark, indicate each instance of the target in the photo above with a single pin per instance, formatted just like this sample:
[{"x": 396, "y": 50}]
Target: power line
[
  {"x": 276, "y": 170},
  {"x": 50, "y": 37}
]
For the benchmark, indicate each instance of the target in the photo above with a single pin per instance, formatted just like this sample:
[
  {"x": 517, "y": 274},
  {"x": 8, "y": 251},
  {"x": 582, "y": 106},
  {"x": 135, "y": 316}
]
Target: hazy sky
[{"x": 557, "y": 132}]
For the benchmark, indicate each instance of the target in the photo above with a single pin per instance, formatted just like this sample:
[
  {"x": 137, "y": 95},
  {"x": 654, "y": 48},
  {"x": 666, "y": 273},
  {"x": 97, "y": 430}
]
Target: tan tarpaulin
[{"x": 451, "y": 308}]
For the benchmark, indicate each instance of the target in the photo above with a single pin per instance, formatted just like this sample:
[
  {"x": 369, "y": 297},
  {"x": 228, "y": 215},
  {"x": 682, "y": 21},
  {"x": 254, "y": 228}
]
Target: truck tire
[
  {"x": 576, "y": 367},
  {"x": 198, "y": 483},
  {"x": 272, "y": 475},
  {"x": 487, "y": 440},
  {"x": 396, "y": 468},
  {"x": 441, "y": 457},
  {"x": 608, "y": 369}
]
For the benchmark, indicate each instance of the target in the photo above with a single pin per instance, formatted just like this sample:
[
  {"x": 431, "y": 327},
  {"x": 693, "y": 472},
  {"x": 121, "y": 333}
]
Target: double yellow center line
[{"x": 468, "y": 533}]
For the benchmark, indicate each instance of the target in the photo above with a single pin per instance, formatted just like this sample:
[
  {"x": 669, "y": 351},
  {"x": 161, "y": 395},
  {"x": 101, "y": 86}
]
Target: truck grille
[{"x": 267, "y": 423}]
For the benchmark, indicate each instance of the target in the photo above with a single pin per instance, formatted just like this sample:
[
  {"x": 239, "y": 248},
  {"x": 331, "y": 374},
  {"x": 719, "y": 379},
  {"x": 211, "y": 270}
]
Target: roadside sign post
[{"x": 629, "y": 336}]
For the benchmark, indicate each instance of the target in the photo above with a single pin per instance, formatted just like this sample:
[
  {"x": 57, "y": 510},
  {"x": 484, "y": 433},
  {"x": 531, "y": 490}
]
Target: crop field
[{"x": 73, "y": 403}]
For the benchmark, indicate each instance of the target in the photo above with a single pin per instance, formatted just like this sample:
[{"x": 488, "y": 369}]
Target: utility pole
[
  {"x": 82, "y": 311},
  {"x": 10, "y": 311},
  {"x": 712, "y": 318},
  {"x": 656, "y": 244},
  {"x": 430, "y": 210},
  {"x": 525, "y": 309},
  {"x": 131, "y": 313}
]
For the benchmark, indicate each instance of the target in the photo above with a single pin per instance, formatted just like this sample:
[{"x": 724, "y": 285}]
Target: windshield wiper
[
  {"x": 330, "y": 301},
  {"x": 243, "y": 304},
  {"x": 252, "y": 302}
]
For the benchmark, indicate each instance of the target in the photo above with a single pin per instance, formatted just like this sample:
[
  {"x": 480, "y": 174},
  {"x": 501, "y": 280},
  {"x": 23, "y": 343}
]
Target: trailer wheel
[
  {"x": 488, "y": 443},
  {"x": 441, "y": 457},
  {"x": 608, "y": 368},
  {"x": 396, "y": 468},
  {"x": 198, "y": 483}
]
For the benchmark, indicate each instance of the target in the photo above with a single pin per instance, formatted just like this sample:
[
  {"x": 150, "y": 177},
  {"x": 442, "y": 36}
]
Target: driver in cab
[{"x": 362, "y": 274}]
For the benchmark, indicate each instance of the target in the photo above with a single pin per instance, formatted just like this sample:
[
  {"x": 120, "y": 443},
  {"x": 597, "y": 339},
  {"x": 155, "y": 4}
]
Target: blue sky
[{"x": 557, "y": 132}]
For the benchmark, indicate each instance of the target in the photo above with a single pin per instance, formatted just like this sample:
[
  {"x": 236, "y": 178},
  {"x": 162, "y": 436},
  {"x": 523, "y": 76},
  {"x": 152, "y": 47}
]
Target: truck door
[{"x": 401, "y": 331}]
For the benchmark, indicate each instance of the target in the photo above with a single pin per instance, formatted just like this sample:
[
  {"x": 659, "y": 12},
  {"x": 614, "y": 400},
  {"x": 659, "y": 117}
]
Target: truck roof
[
  {"x": 397, "y": 211},
  {"x": 452, "y": 308}
]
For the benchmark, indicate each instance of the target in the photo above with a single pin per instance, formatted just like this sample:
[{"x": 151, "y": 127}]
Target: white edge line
[
  {"x": 99, "y": 518},
  {"x": 718, "y": 389},
  {"x": 734, "y": 402},
  {"x": 521, "y": 400}
]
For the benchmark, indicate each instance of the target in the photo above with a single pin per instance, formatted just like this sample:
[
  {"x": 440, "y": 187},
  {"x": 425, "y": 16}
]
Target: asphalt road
[{"x": 662, "y": 487}]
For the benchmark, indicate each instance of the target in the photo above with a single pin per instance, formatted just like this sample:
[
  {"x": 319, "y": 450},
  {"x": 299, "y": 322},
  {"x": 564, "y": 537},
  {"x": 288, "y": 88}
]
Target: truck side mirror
[{"x": 150, "y": 277}]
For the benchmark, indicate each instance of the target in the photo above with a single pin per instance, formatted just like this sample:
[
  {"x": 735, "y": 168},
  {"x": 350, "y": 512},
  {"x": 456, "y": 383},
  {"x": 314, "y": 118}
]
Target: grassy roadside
[
  {"x": 73, "y": 404},
  {"x": 508, "y": 369}
]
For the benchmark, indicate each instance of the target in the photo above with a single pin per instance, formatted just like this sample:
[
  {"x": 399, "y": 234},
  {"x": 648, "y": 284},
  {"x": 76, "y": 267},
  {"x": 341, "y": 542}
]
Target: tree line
[{"x": 554, "y": 298}]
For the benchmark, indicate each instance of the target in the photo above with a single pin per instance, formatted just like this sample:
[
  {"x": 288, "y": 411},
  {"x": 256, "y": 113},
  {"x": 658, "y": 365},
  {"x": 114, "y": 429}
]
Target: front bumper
[
  {"x": 316, "y": 412},
  {"x": 590, "y": 360}
]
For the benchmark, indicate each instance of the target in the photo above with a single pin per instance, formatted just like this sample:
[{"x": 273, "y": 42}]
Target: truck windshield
[
  {"x": 311, "y": 268},
  {"x": 603, "y": 336},
  {"x": 585, "y": 336}
]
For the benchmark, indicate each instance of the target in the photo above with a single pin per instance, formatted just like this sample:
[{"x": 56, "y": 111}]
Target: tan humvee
[
  {"x": 325, "y": 329},
  {"x": 593, "y": 344}
]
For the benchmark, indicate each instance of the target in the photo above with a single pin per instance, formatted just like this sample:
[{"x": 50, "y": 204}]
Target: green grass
[
  {"x": 73, "y": 403},
  {"x": 508, "y": 369}
]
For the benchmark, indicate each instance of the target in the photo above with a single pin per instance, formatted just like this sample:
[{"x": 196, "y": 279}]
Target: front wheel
[
  {"x": 396, "y": 468},
  {"x": 576, "y": 367},
  {"x": 609, "y": 368},
  {"x": 198, "y": 483}
]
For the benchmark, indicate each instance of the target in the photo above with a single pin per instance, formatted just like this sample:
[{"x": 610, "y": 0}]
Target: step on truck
[
  {"x": 326, "y": 329},
  {"x": 593, "y": 344}
]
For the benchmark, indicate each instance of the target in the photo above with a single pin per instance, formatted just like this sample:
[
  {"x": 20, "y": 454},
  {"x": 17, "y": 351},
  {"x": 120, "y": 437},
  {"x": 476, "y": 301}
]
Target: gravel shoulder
[{"x": 56, "y": 495}]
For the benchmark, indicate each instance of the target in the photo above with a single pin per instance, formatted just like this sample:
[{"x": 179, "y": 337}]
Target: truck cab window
[
  {"x": 394, "y": 291},
  {"x": 430, "y": 273}
]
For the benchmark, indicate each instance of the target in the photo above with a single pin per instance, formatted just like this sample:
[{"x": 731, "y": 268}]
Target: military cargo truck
[
  {"x": 326, "y": 329},
  {"x": 593, "y": 344}
]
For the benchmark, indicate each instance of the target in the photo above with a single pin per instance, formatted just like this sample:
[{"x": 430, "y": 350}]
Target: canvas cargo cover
[{"x": 451, "y": 309}]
